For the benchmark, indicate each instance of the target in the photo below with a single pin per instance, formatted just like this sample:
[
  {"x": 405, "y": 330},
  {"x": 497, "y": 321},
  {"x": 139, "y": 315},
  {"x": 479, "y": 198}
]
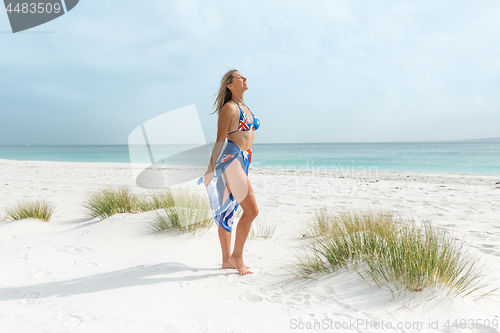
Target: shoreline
[
  {"x": 71, "y": 182},
  {"x": 269, "y": 170}
]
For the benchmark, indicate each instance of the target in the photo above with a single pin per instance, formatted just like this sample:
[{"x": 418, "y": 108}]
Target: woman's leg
[
  {"x": 238, "y": 184},
  {"x": 225, "y": 245},
  {"x": 250, "y": 212},
  {"x": 224, "y": 235}
]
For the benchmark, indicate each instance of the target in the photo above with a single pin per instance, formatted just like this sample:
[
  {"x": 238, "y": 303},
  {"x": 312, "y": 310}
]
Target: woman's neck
[{"x": 238, "y": 98}]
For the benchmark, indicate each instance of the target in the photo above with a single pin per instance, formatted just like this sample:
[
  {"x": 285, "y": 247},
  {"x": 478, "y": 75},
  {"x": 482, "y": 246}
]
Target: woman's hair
[{"x": 224, "y": 94}]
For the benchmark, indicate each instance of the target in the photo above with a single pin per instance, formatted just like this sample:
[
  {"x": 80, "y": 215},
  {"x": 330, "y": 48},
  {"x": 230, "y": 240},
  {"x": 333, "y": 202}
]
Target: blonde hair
[{"x": 224, "y": 95}]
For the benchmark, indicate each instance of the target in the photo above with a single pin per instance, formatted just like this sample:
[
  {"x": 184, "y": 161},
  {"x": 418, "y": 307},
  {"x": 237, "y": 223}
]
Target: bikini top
[{"x": 245, "y": 124}]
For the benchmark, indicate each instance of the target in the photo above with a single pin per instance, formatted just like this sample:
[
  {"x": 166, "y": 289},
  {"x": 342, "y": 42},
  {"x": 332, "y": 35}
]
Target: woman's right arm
[{"x": 226, "y": 117}]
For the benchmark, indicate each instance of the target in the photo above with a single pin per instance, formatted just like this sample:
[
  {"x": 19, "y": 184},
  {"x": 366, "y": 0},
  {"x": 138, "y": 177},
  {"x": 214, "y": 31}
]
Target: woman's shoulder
[{"x": 230, "y": 109}]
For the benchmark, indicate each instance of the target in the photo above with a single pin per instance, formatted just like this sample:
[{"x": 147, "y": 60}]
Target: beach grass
[
  {"x": 38, "y": 209},
  {"x": 262, "y": 231},
  {"x": 177, "y": 210},
  {"x": 189, "y": 212},
  {"x": 392, "y": 251},
  {"x": 103, "y": 203},
  {"x": 156, "y": 200}
]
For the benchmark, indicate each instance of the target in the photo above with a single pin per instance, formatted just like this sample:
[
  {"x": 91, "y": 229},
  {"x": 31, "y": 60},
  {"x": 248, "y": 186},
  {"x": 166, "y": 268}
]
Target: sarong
[{"x": 223, "y": 212}]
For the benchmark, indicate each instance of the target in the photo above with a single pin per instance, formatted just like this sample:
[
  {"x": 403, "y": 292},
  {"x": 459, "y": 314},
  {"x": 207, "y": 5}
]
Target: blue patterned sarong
[{"x": 223, "y": 212}]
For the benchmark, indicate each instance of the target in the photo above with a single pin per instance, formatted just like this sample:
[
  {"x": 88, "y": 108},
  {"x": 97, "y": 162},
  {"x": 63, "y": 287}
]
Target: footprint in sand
[
  {"x": 319, "y": 298},
  {"x": 22, "y": 257},
  {"x": 39, "y": 274},
  {"x": 253, "y": 258},
  {"x": 274, "y": 298},
  {"x": 83, "y": 263},
  {"x": 251, "y": 297},
  {"x": 233, "y": 279},
  {"x": 297, "y": 300},
  {"x": 489, "y": 251},
  {"x": 20, "y": 248},
  {"x": 69, "y": 318},
  {"x": 32, "y": 299},
  {"x": 75, "y": 249}
]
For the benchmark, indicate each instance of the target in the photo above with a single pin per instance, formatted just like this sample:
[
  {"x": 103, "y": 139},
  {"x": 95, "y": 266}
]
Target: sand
[{"x": 78, "y": 274}]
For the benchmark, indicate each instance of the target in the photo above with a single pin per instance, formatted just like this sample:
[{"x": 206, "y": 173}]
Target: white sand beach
[{"x": 78, "y": 274}]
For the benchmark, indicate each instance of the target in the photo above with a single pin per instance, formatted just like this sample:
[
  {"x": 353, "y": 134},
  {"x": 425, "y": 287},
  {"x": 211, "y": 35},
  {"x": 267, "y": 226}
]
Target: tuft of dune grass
[
  {"x": 260, "y": 230},
  {"x": 103, "y": 203},
  {"x": 178, "y": 210},
  {"x": 391, "y": 251},
  {"x": 185, "y": 212},
  {"x": 156, "y": 200},
  {"x": 38, "y": 209}
]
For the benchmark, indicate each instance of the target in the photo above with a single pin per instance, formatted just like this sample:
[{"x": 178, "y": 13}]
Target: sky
[{"x": 318, "y": 71}]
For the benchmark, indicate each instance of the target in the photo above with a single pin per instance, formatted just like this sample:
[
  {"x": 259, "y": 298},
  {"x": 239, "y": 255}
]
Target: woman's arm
[{"x": 226, "y": 117}]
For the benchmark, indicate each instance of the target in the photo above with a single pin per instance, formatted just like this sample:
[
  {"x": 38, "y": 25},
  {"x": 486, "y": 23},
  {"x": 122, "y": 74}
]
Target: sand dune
[{"x": 77, "y": 274}]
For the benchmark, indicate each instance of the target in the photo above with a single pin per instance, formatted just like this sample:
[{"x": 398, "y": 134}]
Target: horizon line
[{"x": 490, "y": 139}]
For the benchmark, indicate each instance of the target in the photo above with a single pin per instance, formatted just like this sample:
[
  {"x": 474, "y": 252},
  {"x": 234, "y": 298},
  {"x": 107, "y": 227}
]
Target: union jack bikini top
[{"x": 245, "y": 124}]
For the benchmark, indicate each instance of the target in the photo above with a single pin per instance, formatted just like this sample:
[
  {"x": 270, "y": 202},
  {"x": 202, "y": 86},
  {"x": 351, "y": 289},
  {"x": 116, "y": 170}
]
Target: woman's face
[{"x": 239, "y": 82}]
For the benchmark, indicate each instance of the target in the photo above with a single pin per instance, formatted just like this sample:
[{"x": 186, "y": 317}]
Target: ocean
[{"x": 456, "y": 157}]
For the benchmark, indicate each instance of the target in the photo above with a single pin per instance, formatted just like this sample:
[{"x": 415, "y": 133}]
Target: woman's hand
[{"x": 207, "y": 178}]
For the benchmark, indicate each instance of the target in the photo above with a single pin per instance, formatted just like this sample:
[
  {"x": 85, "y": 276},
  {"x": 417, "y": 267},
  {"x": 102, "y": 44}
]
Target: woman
[{"x": 226, "y": 179}]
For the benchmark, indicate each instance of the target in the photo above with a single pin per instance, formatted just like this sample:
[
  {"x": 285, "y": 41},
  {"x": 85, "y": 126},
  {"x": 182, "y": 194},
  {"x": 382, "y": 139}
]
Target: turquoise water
[{"x": 457, "y": 157}]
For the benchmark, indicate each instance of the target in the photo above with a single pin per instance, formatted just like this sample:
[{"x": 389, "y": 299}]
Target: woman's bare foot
[
  {"x": 228, "y": 265},
  {"x": 239, "y": 265}
]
